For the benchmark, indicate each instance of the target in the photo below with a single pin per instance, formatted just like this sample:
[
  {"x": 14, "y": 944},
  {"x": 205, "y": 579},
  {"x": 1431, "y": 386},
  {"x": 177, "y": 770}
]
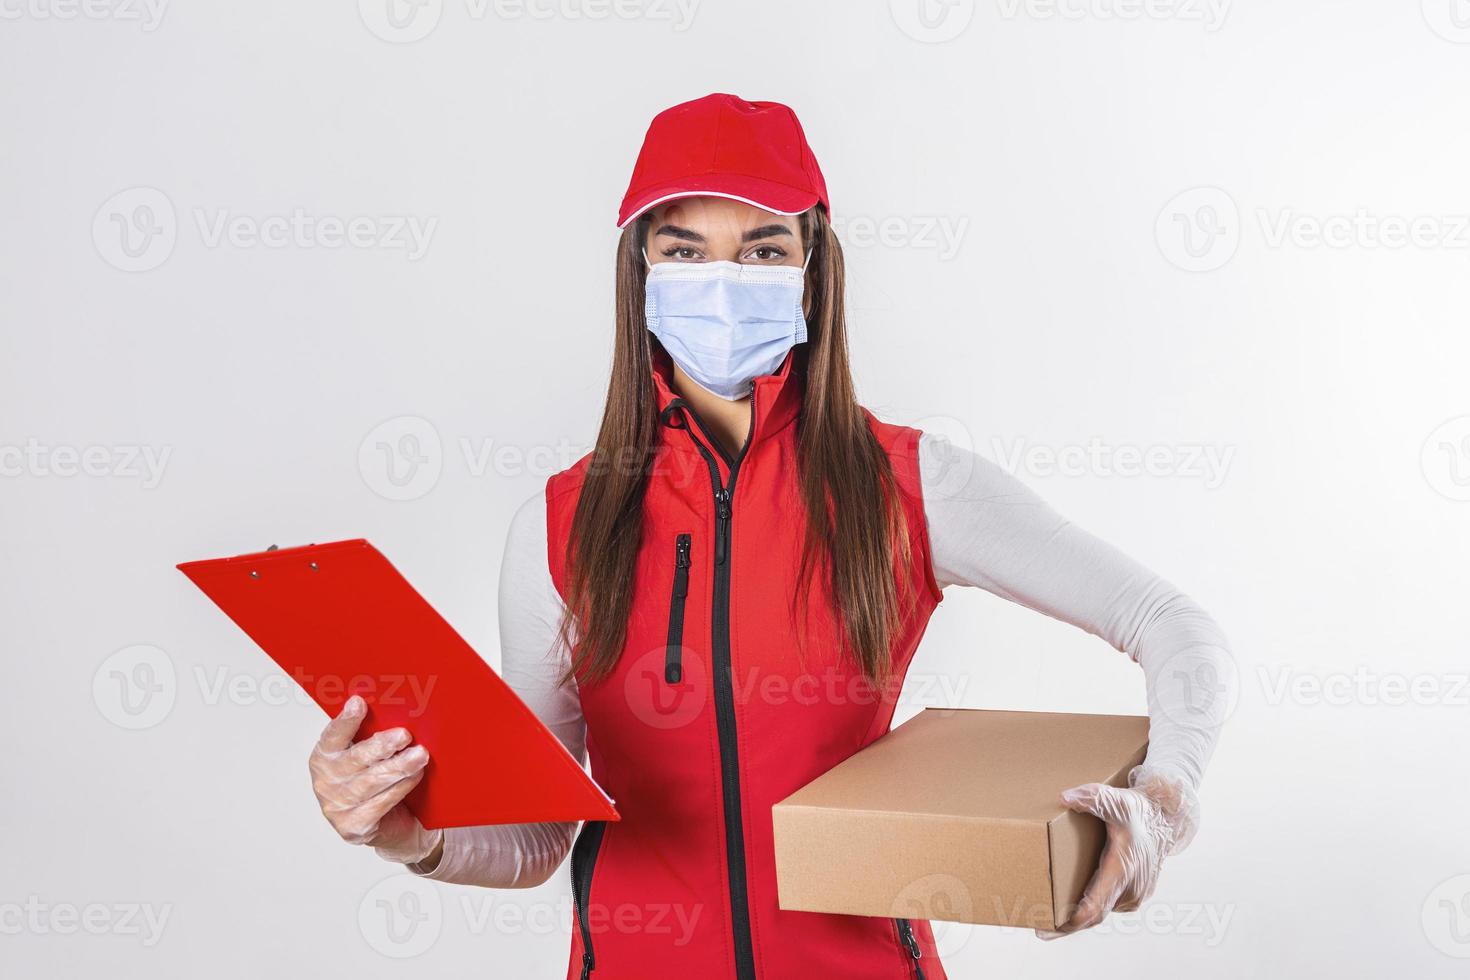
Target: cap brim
[{"x": 765, "y": 194}]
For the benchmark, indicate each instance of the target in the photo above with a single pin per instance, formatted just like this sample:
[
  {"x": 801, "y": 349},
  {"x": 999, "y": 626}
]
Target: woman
[{"x": 743, "y": 520}]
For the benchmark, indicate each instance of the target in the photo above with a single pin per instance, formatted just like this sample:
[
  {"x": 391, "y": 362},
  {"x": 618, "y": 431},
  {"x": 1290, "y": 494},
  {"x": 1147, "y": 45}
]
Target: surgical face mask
[{"x": 725, "y": 323}]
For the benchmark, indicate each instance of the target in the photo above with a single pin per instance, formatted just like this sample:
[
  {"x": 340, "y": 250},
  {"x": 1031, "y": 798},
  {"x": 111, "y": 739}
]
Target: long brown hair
[{"x": 855, "y": 524}]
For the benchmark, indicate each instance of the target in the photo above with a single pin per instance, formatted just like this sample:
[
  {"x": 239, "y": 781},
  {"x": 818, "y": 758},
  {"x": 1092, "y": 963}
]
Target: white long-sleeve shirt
[{"x": 987, "y": 530}]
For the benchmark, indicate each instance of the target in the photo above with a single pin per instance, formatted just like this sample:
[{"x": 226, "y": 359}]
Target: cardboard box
[{"x": 955, "y": 816}]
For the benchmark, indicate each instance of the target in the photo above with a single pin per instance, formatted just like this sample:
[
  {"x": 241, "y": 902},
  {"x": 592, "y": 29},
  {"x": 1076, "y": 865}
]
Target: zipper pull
[
  {"x": 910, "y": 942},
  {"x": 722, "y": 530},
  {"x": 673, "y": 654},
  {"x": 586, "y": 965}
]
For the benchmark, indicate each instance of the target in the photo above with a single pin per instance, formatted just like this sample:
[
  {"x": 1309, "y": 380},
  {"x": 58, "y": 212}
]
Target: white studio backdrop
[{"x": 1196, "y": 270}]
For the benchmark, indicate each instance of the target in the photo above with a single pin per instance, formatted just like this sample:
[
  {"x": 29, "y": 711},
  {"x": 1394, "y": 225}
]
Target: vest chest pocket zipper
[
  {"x": 911, "y": 945},
  {"x": 584, "y": 857},
  {"x": 674, "y": 645}
]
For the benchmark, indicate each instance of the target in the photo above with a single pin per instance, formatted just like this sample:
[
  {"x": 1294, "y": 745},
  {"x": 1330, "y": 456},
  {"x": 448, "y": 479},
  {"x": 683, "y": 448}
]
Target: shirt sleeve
[
  {"x": 533, "y": 661},
  {"x": 988, "y": 530}
]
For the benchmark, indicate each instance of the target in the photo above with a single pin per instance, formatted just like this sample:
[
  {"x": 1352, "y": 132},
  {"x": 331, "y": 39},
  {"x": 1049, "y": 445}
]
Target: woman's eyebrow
[
  {"x": 674, "y": 231},
  {"x": 768, "y": 231}
]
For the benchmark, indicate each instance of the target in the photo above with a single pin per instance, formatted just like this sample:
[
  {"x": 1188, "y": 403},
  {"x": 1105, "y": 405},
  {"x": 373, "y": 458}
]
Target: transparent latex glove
[
  {"x": 361, "y": 785},
  {"x": 1151, "y": 819}
]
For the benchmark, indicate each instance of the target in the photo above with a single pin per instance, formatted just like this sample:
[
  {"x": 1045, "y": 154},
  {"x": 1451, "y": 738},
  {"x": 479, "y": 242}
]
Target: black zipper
[
  {"x": 911, "y": 943},
  {"x": 724, "y": 686},
  {"x": 584, "y": 856},
  {"x": 674, "y": 645}
]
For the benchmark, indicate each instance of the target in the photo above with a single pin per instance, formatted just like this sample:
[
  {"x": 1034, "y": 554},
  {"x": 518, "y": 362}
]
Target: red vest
[{"x": 710, "y": 718}]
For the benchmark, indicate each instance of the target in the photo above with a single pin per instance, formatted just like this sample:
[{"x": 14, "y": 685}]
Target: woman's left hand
[{"x": 1144, "y": 824}]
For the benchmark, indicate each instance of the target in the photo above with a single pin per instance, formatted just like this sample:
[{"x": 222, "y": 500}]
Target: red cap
[{"x": 723, "y": 146}]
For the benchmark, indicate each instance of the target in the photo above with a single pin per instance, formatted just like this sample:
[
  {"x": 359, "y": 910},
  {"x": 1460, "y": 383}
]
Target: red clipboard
[{"x": 340, "y": 620}]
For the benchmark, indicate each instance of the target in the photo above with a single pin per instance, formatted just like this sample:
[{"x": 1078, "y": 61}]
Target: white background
[{"x": 1078, "y": 300}]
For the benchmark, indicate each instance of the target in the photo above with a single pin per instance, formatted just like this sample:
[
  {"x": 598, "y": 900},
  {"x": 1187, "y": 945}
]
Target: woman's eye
[
  {"x": 767, "y": 253},
  {"x": 681, "y": 253}
]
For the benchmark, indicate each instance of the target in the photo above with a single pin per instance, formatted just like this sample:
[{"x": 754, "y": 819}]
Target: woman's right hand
[{"x": 360, "y": 786}]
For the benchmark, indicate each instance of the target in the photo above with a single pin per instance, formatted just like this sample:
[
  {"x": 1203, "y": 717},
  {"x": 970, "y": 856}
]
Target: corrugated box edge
[
  {"x": 835, "y": 878},
  {"x": 1075, "y": 840}
]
